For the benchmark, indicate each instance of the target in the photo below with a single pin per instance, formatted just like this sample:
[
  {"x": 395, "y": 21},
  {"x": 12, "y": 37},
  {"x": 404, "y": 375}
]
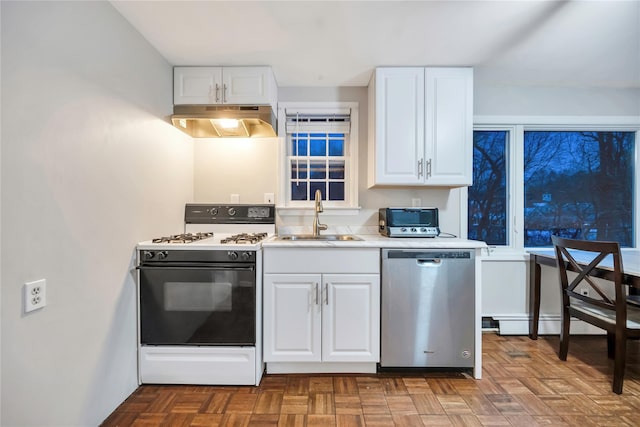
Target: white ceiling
[{"x": 339, "y": 43}]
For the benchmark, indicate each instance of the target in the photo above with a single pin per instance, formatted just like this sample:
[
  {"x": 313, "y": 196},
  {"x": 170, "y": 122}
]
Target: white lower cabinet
[
  {"x": 321, "y": 317},
  {"x": 324, "y": 318}
]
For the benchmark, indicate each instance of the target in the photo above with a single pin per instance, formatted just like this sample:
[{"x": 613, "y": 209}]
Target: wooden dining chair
[{"x": 599, "y": 308}]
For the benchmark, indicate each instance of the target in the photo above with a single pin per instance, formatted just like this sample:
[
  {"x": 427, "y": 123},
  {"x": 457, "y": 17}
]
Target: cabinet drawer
[{"x": 320, "y": 260}]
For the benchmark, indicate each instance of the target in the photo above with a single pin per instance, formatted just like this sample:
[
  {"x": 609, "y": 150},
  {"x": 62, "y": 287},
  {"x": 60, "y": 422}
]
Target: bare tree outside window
[
  {"x": 578, "y": 185},
  {"x": 487, "y": 212}
]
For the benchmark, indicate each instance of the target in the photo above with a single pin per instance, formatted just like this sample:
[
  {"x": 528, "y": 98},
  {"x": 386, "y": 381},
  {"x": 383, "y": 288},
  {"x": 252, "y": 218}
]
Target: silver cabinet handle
[
  {"x": 217, "y": 92},
  {"x": 326, "y": 288},
  {"x": 317, "y": 294},
  {"x": 224, "y": 93},
  {"x": 420, "y": 167},
  {"x": 429, "y": 169}
]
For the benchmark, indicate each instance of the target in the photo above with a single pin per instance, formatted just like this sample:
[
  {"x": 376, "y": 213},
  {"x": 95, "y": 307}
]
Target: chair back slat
[{"x": 596, "y": 251}]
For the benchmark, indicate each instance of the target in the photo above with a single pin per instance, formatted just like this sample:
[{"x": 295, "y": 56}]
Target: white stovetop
[
  {"x": 220, "y": 232},
  {"x": 205, "y": 244}
]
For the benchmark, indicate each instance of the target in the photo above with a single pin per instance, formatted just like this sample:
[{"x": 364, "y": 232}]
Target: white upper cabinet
[
  {"x": 449, "y": 128},
  {"x": 224, "y": 85},
  {"x": 421, "y": 126}
]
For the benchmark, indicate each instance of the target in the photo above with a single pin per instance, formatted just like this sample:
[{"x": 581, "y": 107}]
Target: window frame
[
  {"x": 349, "y": 206},
  {"x": 515, "y": 161}
]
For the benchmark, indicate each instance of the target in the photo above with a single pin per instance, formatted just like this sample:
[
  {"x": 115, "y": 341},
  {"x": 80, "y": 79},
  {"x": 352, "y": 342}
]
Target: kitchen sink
[{"x": 326, "y": 237}]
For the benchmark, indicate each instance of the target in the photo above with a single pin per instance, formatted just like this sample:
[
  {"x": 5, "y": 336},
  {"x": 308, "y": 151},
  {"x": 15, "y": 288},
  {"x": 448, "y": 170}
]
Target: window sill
[
  {"x": 504, "y": 254},
  {"x": 299, "y": 211}
]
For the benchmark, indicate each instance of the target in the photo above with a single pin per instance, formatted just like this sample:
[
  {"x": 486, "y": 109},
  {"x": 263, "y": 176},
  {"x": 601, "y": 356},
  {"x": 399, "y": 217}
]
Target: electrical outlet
[
  {"x": 269, "y": 198},
  {"x": 584, "y": 292},
  {"x": 35, "y": 295}
]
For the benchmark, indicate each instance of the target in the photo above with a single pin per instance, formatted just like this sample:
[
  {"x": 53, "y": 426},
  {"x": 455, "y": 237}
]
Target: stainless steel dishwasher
[{"x": 428, "y": 308}]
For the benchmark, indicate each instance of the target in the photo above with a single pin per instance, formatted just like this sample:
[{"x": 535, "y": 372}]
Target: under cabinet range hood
[{"x": 222, "y": 121}]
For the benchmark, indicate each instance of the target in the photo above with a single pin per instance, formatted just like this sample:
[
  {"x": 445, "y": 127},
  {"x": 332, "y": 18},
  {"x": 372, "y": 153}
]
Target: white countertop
[
  {"x": 368, "y": 241},
  {"x": 379, "y": 241}
]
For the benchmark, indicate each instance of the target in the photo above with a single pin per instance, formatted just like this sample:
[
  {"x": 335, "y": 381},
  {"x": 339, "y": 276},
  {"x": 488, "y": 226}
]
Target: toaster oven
[{"x": 408, "y": 222}]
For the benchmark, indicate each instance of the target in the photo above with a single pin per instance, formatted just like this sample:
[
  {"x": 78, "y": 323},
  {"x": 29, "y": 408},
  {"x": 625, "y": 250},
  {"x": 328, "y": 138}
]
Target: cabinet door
[
  {"x": 449, "y": 127},
  {"x": 247, "y": 85},
  {"x": 197, "y": 85},
  {"x": 399, "y": 125},
  {"x": 351, "y": 318},
  {"x": 292, "y": 318}
]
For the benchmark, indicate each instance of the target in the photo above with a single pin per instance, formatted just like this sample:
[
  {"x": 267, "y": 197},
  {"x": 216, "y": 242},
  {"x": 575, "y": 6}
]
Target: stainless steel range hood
[{"x": 222, "y": 121}]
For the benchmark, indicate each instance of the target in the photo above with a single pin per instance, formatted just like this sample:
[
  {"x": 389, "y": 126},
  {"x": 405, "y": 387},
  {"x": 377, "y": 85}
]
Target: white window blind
[{"x": 319, "y": 120}]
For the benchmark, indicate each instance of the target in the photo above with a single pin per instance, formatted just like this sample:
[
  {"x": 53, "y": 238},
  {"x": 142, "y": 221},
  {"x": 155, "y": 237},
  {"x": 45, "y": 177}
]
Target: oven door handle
[{"x": 207, "y": 267}]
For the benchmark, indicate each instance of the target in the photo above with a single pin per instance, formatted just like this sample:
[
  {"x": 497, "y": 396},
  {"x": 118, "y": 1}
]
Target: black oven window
[
  {"x": 203, "y": 296},
  {"x": 197, "y": 306}
]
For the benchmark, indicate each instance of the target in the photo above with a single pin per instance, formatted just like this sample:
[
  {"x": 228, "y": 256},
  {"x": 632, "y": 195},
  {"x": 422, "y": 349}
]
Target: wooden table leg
[{"x": 534, "y": 297}]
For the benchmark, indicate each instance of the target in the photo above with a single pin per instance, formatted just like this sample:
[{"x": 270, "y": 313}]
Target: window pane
[
  {"x": 299, "y": 169},
  {"x": 318, "y": 146},
  {"x": 336, "y": 144},
  {"x": 336, "y": 170},
  {"x": 336, "y": 191},
  {"x": 322, "y": 186},
  {"x": 299, "y": 143},
  {"x": 299, "y": 191},
  {"x": 487, "y": 213},
  {"x": 318, "y": 169},
  {"x": 578, "y": 185}
]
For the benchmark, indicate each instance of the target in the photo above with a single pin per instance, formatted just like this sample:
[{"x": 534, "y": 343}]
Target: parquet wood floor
[{"x": 524, "y": 384}]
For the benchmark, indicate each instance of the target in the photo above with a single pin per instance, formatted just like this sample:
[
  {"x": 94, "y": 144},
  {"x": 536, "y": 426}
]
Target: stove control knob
[
  {"x": 213, "y": 211},
  {"x": 413, "y": 230},
  {"x": 403, "y": 229},
  {"x": 148, "y": 254},
  {"x": 424, "y": 230},
  {"x": 246, "y": 256},
  {"x": 232, "y": 211},
  {"x": 163, "y": 254},
  {"x": 233, "y": 255}
]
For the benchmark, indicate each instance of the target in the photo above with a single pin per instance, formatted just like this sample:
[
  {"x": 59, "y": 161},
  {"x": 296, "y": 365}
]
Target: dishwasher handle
[
  {"x": 427, "y": 255},
  {"x": 429, "y": 262}
]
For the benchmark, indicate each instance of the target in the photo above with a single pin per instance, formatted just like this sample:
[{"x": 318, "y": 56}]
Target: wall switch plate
[
  {"x": 35, "y": 295},
  {"x": 416, "y": 202},
  {"x": 269, "y": 198},
  {"x": 235, "y": 198}
]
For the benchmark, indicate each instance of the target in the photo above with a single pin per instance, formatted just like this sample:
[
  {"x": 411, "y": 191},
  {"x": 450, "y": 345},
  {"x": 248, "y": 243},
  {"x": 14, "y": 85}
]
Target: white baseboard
[{"x": 548, "y": 325}]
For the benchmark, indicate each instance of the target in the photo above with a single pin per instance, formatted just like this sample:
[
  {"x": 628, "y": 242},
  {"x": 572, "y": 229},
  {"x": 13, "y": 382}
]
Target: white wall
[
  {"x": 88, "y": 169},
  {"x": 505, "y": 100},
  {"x": 243, "y": 166}
]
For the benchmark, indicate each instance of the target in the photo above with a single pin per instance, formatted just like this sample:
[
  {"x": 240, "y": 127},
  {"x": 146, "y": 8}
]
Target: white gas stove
[
  {"x": 200, "y": 320},
  {"x": 226, "y": 227}
]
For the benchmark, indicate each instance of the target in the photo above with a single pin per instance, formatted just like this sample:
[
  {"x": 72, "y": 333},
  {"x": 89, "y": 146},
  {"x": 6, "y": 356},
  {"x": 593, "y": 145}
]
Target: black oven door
[{"x": 198, "y": 305}]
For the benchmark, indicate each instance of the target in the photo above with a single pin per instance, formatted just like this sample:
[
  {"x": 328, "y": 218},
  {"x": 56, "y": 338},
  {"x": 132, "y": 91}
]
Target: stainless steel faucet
[{"x": 317, "y": 227}]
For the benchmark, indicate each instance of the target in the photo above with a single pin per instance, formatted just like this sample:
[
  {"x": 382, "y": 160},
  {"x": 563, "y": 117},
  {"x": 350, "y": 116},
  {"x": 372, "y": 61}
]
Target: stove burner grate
[
  {"x": 183, "y": 238},
  {"x": 244, "y": 238}
]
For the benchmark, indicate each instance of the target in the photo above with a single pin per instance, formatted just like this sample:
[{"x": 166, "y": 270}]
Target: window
[
  {"x": 487, "y": 212},
  {"x": 530, "y": 183},
  {"x": 317, "y": 162},
  {"x": 318, "y": 154},
  {"x": 578, "y": 185}
]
